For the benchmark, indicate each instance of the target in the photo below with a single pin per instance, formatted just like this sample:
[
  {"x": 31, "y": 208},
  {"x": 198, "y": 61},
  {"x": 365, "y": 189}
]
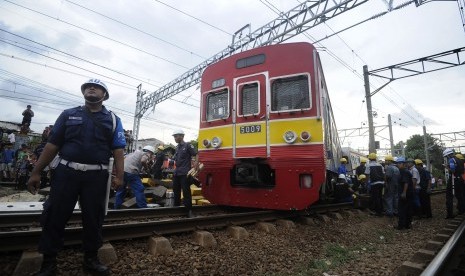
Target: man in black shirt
[{"x": 405, "y": 196}]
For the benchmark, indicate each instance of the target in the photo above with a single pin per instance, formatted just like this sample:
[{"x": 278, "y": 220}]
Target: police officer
[
  {"x": 183, "y": 158},
  {"x": 454, "y": 183},
  {"x": 84, "y": 138},
  {"x": 133, "y": 165},
  {"x": 406, "y": 191},
  {"x": 425, "y": 189}
]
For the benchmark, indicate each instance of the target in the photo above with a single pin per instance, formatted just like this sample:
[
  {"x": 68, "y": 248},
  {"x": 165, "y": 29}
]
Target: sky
[{"x": 48, "y": 48}]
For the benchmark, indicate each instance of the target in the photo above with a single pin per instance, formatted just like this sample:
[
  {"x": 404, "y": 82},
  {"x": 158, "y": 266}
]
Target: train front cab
[{"x": 261, "y": 131}]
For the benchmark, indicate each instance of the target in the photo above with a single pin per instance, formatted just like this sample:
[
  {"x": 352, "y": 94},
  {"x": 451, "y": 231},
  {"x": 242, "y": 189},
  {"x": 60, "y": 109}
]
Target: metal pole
[
  {"x": 371, "y": 130},
  {"x": 137, "y": 116},
  {"x": 391, "y": 139},
  {"x": 425, "y": 140}
]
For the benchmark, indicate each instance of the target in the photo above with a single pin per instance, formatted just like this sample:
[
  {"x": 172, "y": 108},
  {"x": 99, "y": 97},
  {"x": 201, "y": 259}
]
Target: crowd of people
[{"x": 401, "y": 187}]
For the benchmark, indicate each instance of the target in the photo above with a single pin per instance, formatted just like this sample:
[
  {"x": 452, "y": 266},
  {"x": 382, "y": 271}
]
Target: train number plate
[{"x": 251, "y": 129}]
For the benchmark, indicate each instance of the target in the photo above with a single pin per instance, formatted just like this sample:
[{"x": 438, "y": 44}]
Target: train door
[{"x": 250, "y": 117}]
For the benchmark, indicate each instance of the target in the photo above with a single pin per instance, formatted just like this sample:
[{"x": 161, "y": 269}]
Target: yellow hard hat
[
  {"x": 389, "y": 158},
  {"x": 363, "y": 160},
  {"x": 362, "y": 176},
  {"x": 459, "y": 156},
  {"x": 372, "y": 156},
  {"x": 343, "y": 160},
  {"x": 418, "y": 162}
]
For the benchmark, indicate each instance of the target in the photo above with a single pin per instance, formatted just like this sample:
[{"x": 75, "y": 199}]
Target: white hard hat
[
  {"x": 149, "y": 148},
  {"x": 99, "y": 83},
  {"x": 342, "y": 176},
  {"x": 178, "y": 131},
  {"x": 447, "y": 152}
]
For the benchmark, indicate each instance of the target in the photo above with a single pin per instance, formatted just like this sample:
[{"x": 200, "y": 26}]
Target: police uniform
[
  {"x": 406, "y": 204},
  {"x": 85, "y": 148},
  {"x": 455, "y": 175},
  {"x": 183, "y": 158}
]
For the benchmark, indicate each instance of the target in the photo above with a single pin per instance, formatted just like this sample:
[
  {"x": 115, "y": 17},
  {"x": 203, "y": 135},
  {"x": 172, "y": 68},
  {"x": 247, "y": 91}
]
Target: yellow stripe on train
[
  {"x": 253, "y": 134},
  {"x": 311, "y": 125}
]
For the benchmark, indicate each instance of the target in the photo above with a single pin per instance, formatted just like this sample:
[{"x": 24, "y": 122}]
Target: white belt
[{"x": 83, "y": 167}]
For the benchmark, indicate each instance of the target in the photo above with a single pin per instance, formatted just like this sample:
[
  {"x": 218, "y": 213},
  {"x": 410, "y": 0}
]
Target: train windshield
[
  {"x": 290, "y": 93},
  {"x": 218, "y": 105},
  {"x": 249, "y": 99}
]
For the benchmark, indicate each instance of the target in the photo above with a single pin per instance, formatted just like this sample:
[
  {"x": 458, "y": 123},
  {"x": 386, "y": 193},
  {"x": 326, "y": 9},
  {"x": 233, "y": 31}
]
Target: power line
[
  {"x": 70, "y": 55},
  {"x": 136, "y": 29},
  {"x": 100, "y": 35},
  {"x": 191, "y": 16}
]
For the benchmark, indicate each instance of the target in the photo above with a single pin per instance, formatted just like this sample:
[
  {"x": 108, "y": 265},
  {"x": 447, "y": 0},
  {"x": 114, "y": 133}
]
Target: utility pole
[
  {"x": 426, "y": 146},
  {"x": 137, "y": 116},
  {"x": 391, "y": 139},
  {"x": 371, "y": 130}
]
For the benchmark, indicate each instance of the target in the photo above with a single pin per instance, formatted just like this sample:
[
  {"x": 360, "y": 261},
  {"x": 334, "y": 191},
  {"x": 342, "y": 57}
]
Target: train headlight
[
  {"x": 206, "y": 143},
  {"x": 290, "y": 136},
  {"x": 216, "y": 142},
  {"x": 306, "y": 181},
  {"x": 305, "y": 136}
]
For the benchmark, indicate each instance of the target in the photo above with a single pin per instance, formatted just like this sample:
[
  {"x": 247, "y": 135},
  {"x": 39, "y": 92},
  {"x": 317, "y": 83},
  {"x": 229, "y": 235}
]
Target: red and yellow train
[{"x": 267, "y": 134}]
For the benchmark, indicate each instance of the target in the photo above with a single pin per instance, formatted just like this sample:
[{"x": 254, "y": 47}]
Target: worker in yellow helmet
[
  {"x": 391, "y": 191},
  {"x": 342, "y": 167},
  {"x": 375, "y": 174}
]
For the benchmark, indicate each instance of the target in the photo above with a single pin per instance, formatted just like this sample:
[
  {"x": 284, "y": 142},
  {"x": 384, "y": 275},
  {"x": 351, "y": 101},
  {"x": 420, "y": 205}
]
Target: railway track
[
  {"x": 122, "y": 225},
  {"x": 128, "y": 224}
]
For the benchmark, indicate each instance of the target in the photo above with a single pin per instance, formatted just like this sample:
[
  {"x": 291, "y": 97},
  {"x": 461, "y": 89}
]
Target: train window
[
  {"x": 250, "y": 61},
  {"x": 249, "y": 99},
  {"x": 290, "y": 93},
  {"x": 218, "y": 105}
]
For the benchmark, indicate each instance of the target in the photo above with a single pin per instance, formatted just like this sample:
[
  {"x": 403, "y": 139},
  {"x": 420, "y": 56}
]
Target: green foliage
[
  {"x": 415, "y": 149},
  {"x": 195, "y": 143},
  {"x": 334, "y": 256}
]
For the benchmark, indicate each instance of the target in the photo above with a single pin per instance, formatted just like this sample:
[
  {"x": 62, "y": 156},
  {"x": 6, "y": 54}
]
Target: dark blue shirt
[
  {"x": 405, "y": 177},
  {"x": 183, "y": 157},
  {"x": 80, "y": 140}
]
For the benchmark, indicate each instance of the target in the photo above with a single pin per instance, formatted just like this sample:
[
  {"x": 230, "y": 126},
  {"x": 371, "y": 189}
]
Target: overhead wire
[
  {"x": 191, "y": 16},
  {"x": 135, "y": 28},
  {"x": 73, "y": 56},
  {"x": 98, "y": 34}
]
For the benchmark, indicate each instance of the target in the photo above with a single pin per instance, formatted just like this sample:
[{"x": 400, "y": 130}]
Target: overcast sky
[{"x": 48, "y": 48}]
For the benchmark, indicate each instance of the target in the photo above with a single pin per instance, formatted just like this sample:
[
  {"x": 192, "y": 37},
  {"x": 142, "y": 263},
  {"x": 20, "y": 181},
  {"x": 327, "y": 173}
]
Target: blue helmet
[{"x": 400, "y": 159}]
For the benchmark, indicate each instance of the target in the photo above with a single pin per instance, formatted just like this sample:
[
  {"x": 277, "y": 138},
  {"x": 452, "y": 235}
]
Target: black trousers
[
  {"x": 425, "y": 202},
  {"x": 458, "y": 190},
  {"x": 180, "y": 182},
  {"x": 405, "y": 211},
  {"x": 376, "y": 192},
  {"x": 67, "y": 187}
]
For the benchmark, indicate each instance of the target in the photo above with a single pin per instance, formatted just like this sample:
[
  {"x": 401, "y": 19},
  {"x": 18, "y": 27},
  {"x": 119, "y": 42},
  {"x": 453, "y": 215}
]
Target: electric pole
[{"x": 371, "y": 130}]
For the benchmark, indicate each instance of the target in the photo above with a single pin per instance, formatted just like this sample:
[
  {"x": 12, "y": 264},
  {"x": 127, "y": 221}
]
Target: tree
[{"x": 415, "y": 149}]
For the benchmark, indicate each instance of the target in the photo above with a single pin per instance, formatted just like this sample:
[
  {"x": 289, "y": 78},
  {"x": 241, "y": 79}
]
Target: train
[{"x": 267, "y": 134}]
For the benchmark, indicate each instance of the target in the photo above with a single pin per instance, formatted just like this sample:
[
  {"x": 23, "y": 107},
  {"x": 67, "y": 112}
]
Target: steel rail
[
  {"x": 438, "y": 264},
  {"x": 31, "y": 218},
  {"x": 23, "y": 240}
]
